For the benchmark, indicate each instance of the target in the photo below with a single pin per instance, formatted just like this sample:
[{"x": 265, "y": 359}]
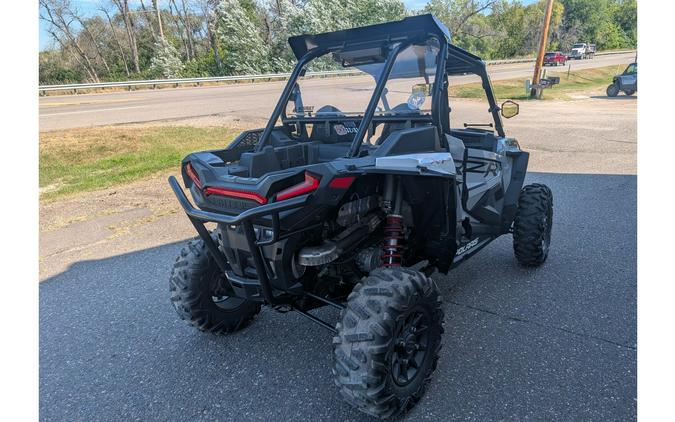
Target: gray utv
[
  {"x": 356, "y": 192},
  {"x": 625, "y": 82}
]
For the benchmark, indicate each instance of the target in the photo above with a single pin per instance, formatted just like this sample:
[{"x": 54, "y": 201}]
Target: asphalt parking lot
[{"x": 554, "y": 343}]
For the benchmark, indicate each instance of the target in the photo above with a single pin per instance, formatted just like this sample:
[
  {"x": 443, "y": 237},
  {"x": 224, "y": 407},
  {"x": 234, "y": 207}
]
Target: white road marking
[
  {"x": 89, "y": 102},
  {"x": 91, "y": 111}
]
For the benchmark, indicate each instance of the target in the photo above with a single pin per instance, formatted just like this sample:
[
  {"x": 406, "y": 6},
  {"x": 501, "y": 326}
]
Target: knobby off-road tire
[
  {"x": 393, "y": 323},
  {"x": 202, "y": 297},
  {"x": 532, "y": 225},
  {"x": 613, "y": 90},
  {"x": 629, "y": 92}
]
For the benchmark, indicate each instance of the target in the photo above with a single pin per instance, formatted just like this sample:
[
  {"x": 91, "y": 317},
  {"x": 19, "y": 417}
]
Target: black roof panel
[
  {"x": 406, "y": 28},
  {"x": 459, "y": 60}
]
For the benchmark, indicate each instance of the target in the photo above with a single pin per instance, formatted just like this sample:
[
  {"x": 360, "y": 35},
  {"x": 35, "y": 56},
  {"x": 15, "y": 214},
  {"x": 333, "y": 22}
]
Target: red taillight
[
  {"x": 192, "y": 174},
  {"x": 310, "y": 184},
  {"x": 342, "y": 182},
  {"x": 236, "y": 194}
]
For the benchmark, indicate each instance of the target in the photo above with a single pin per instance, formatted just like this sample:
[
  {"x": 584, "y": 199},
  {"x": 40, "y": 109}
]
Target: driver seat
[{"x": 390, "y": 127}]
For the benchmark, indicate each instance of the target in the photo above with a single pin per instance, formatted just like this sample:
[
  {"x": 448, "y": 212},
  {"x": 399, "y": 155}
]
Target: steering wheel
[{"x": 329, "y": 111}]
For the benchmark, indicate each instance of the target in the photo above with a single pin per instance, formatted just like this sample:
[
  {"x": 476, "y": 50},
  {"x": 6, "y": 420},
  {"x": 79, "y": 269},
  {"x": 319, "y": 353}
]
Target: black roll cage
[{"x": 462, "y": 62}]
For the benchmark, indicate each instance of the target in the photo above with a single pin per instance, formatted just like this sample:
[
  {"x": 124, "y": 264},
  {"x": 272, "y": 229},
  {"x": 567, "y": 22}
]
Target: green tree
[
  {"x": 245, "y": 51},
  {"x": 467, "y": 21},
  {"x": 510, "y": 19},
  {"x": 520, "y": 27},
  {"x": 369, "y": 12},
  {"x": 278, "y": 18},
  {"x": 625, "y": 16},
  {"x": 594, "y": 22},
  {"x": 166, "y": 60},
  {"x": 317, "y": 16},
  {"x": 226, "y": 37},
  {"x": 55, "y": 69}
]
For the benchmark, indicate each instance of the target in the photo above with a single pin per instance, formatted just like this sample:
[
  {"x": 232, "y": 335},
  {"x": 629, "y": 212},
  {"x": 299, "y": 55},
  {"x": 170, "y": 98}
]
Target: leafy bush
[
  {"x": 53, "y": 70},
  {"x": 166, "y": 61},
  {"x": 202, "y": 66}
]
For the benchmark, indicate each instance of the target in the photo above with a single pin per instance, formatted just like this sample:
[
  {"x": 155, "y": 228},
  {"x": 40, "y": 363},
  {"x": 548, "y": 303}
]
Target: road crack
[{"x": 539, "y": 324}]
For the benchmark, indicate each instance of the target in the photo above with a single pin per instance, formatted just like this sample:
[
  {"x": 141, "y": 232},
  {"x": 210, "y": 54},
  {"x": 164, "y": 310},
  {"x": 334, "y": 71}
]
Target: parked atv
[
  {"x": 352, "y": 183},
  {"x": 625, "y": 82}
]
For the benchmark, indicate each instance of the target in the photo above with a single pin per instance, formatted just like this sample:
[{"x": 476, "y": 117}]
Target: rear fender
[
  {"x": 518, "y": 172},
  {"x": 433, "y": 205}
]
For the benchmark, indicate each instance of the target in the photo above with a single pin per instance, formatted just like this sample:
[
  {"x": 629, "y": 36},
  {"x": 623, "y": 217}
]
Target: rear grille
[{"x": 250, "y": 139}]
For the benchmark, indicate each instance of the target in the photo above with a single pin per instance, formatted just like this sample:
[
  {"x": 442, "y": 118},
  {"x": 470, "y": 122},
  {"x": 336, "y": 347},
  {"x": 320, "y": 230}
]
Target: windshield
[
  {"x": 578, "y": 46},
  {"x": 407, "y": 90}
]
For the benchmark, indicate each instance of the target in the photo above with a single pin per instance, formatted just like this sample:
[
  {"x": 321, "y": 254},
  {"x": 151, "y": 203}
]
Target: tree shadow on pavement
[{"x": 553, "y": 343}]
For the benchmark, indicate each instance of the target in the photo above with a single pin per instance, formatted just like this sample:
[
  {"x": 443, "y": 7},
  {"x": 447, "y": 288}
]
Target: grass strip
[
  {"x": 78, "y": 160},
  {"x": 578, "y": 81}
]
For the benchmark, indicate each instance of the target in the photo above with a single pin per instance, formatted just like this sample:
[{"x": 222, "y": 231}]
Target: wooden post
[
  {"x": 155, "y": 4},
  {"x": 542, "y": 48}
]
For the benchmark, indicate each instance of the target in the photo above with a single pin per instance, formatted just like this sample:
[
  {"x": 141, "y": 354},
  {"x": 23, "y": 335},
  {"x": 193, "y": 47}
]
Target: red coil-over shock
[
  {"x": 393, "y": 241},
  {"x": 394, "y": 232}
]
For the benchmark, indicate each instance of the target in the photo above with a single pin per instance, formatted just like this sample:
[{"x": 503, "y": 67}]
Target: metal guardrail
[
  {"x": 181, "y": 81},
  {"x": 42, "y": 89}
]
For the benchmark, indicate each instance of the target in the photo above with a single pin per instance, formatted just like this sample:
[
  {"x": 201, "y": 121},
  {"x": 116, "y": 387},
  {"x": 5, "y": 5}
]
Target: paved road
[
  {"x": 244, "y": 102},
  {"x": 554, "y": 343}
]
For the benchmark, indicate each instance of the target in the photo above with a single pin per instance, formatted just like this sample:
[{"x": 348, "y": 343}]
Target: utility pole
[
  {"x": 542, "y": 49},
  {"x": 155, "y": 3}
]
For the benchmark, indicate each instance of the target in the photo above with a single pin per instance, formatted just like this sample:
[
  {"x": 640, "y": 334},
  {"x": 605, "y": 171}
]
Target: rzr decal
[{"x": 466, "y": 247}]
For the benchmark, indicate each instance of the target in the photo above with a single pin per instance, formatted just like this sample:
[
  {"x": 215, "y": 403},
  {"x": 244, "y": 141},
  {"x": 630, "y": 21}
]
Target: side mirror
[{"x": 509, "y": 109}]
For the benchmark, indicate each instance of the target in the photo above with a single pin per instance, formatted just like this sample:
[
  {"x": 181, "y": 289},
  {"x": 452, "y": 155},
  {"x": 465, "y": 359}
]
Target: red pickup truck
[{"x": 555, "y": 58}]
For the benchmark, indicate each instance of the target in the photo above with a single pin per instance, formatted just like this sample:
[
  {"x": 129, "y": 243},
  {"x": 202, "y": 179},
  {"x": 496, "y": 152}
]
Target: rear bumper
[
  {"x": 259, "y": 211},
  {"x": 260, "y": 288}
]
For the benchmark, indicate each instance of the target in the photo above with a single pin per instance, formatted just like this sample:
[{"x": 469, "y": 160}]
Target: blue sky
[
  {"x": 90, "y": 7},
  {"x": 87, "y": 7}
]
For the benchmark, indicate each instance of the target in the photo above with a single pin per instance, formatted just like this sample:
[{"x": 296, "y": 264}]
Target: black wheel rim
[
  {"x": 546, "y": 238},
  {"x": 222, "y": 293},
  {"x": 411, "y": 344}
]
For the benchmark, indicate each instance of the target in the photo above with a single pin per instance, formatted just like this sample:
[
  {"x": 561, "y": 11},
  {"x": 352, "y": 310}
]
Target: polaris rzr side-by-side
[{"x": 354, "y": 182}]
